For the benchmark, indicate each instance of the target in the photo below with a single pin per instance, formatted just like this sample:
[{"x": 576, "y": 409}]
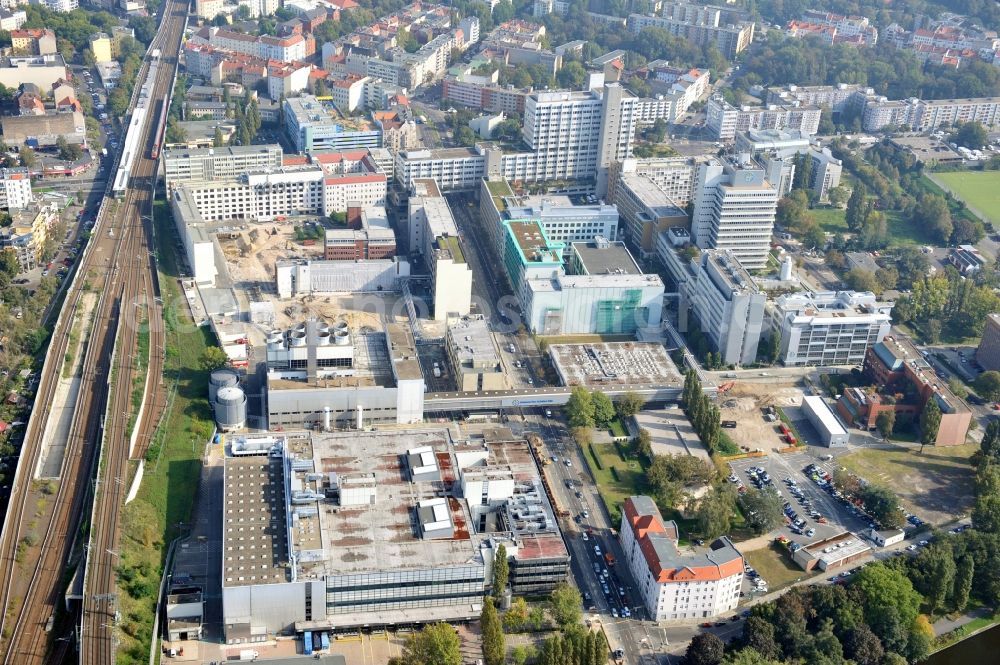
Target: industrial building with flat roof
[
  {"x": 323, "y": 375},
  {"x": 336, "y": 531},
  {"x": 831, "y": 432},
  {"x": 473, "y": 355},
  {"x": 614, "y": 364}
]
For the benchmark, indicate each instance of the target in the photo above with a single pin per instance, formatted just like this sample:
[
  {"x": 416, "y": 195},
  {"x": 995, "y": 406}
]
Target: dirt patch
[
  {"x": 743, "y": 404},
  {"x": 936, "y": 485}
]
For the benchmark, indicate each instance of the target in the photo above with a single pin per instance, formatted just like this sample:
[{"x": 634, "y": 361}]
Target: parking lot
[{"x": 818, "y": 513}]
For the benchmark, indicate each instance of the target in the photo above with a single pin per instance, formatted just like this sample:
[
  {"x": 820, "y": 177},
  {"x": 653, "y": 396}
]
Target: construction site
[{"x": 747, "y": 404}]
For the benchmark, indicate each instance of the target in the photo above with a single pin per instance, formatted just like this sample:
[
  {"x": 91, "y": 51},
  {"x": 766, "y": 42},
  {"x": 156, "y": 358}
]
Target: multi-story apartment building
[
  {"x": 734, "y": 209},
  {"x": 15, "y": 189},
  {"x": 208, "y": 164},
  {"x": 62, "y": 5},
  {"x": 676, "y": 176},
  {"x": 728, "y": 305},
  {"x": 724, "y": 120},
  {"x": 285, "y": 79},
  {"x": 837, "y": 98},
  {"x": 284, "y": 49},
  {"x": 848, "y": 26},
  {"x": 481, "y": 91},
  {"x": 367, "y": 236},
  {"x": 314, "y": 125},
  {"x": 673, "y": 584},
  {"x": 828, "y": 328},
  {"x": 399, "y": 131},
  {"x": 33, "y": 41},
  {"x": 926, "y": 115},
  {"x": 704, "y": 27}
]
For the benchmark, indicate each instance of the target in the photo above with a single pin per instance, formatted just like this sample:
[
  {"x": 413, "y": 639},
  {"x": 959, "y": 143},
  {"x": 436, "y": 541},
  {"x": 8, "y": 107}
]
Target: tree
[
  {"x": 930, "y": 421},
  {"x": 971, "y": 135},
  {"x": 704, "y": 649},
  {"x": 883, "y": 505},
  {"x": 762, "y": 510},
  {"x": 517, "y": 615},
  {"x": 933, "y": 574},
  {"x": 860, "y": 279},
  {"x": 501, "y": 571},
  {"x": 885, "y": 422},
  {"x": 715, "y": 512},
  {"x": 572, "y": 75},
  {"x": 932, "y": 213},
  {"x": 604, "y": 410},
  {"x": 747, "y": 656},
  {"x": 27, "y": 155},
  {"x": 887, "y": 591},
  {"x": 644, "y": 444},
  {"x": 989, "y": 447},
  {"x": 212, "y": 358},
  {"x": 863, "y": 646},
  {"x": 987, "y": 385},
  {"x": 9, "y": 266},
  {"x": 986, "y": 510},
  {"x": 580, "y": 408},
  {"x": 522, "y": 653},
  {"x": 630, "y": 404},
  {"x": 803, "y": 171},
  {"x": 435, "y": 644},
  {"x": 218, "y": 140},
  {"x": 856, "y": 207},
  {"x": 962, "y": 587},
  {"x": 758, "y": 634},
  {"x": 957, "y": 387},
  {"x": 492, "y": 634},
  {"x": 838, "y": 196},
  {"x": 565, "y": 602},
  {"x": 887, "y": 278}
]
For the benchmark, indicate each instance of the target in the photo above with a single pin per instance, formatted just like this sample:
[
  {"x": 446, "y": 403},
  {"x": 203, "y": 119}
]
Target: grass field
[
  {"x": 977, "y": 188},
  {"x": 936, "y": 485},
  {"x": 775, "y": 565},
  {"x": 901, "y": 232},
  {"x": 831, "y": 220},
  {"x": 631, "y": 478}
]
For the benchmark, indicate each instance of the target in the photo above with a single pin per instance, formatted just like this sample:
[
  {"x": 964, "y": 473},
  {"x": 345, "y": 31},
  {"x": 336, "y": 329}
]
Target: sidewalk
[{"x": 946, "y": 625}]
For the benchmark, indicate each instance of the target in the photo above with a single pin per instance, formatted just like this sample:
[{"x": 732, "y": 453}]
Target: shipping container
[{"x": 307, "y": 643}]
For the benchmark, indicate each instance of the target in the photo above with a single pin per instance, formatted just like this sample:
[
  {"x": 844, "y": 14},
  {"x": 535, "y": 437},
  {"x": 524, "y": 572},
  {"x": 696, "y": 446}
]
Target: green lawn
[
  {"x": 977, "y": 188},
  {"x": 831, "y": 220},
  {"x": 903, "y": 233},
  {"x": 630, "y": 480},
  {"x": 774, "y": 563}
]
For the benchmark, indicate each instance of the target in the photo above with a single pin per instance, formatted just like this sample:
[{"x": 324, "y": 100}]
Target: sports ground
[{"x": 979, "y": 189}]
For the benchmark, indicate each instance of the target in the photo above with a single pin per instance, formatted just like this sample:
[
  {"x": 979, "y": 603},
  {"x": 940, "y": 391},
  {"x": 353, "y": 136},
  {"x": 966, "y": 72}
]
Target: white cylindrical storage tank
[
  {"x": 360, "y": 417},
  {"x": 221, "y": 378},
  {"x": 275, "y": 340},
  {"x": 326, "y": 418},
  {"x": 297, "y": 338},
  {"x": 341, "y": 338},
  {"x": 323, "y": 338},
  {"x": 230, "y": 408},
  {"x": 786, "y": 269}
]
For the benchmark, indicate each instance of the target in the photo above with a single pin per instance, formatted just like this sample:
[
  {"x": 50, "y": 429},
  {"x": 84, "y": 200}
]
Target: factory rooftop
[
  {"x": 362, "y": 502},
  {"x": 613, "y": 364},
  {"x": 534, "y": 245},
  {"x": 600, "y": 257},
  {"x": 472, "y": 344},
  {"x": 309, "y": 110}
]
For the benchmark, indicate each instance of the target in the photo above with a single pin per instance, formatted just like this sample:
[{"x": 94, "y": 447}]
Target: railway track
[{"x": 120, "y": 260}]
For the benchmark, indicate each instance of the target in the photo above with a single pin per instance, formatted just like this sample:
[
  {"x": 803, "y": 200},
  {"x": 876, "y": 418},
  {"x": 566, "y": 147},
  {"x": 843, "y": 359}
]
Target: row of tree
[
  {"x": 589, "y": 409},
  {"x": 701, "y": 411},
  {"x": 947, "y": 302}
]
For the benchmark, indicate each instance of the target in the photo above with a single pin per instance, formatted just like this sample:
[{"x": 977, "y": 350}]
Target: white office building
[
  {"x": 727, "y": 303},
  {"x": 673, "y": 584},
  {"x": 434, "y": 235},
  {"x": 829, "y": 328},
  {"x": 734, "y": 209},
  {"x": 725, "y": 120},
  {"x": 227, "y": 163}
]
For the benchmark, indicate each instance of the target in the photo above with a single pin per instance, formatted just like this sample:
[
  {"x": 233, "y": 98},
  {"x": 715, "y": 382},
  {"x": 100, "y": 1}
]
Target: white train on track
[{"x": 144, "y": 105}]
